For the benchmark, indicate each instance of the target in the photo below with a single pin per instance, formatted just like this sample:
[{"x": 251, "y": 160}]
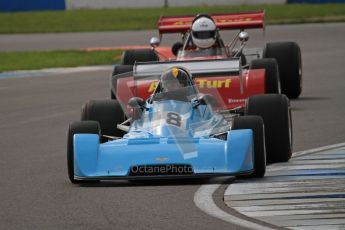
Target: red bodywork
[{"x": 226, "y": 89}]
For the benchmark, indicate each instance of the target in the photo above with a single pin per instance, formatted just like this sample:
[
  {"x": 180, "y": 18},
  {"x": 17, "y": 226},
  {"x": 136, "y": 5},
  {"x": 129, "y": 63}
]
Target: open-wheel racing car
[
  {"x": 237, "y": 90},
  {"x": 275, "y": 69},
  {"x": 177, "y": 132}
]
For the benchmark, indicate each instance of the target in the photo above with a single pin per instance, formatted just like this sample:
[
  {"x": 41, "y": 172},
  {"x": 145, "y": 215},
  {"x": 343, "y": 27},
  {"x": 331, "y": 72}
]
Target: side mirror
[
  {"x": 136, "y": 102},
  {"x": 243, "y": 36},
  {"x": 155, "y": 42},
  {"x": 207, "y": 99}
]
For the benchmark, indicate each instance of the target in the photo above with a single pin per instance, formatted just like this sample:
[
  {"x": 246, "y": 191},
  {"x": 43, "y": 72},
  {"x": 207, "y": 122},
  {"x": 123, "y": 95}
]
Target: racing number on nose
[{"x": 174, "y": 119}]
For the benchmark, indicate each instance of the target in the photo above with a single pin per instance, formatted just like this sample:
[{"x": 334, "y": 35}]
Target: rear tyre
[
  {"x": 176, "y": 48},
  {"x": 118, "y": 72},
  {"x": 256, "y": 124},
  {"x": 108, "y": 113},
  {"x": 276, "y": 114},
  {"x": 129, "y": 57},
  {"x": 288, "y": 56},
  {"x": 91, "y": 127},
  {"x": 272, "y": 73}
]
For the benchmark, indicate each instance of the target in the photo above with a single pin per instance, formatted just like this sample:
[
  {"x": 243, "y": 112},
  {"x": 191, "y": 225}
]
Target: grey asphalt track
[{"x": 34, "y": 189}]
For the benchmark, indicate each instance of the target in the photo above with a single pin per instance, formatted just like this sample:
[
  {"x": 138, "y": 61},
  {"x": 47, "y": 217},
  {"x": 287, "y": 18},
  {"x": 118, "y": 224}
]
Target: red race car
[
  {"x": 277, "y": 69},
  {"x": 237, "y": 78}
]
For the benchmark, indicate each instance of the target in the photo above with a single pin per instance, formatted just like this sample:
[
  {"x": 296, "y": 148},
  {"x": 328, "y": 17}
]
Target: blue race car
[{"x": 176, "y": 133}]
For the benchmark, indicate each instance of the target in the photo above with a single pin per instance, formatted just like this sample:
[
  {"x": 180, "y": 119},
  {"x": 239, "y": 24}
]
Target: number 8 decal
[{"x": 174, "y": 119}]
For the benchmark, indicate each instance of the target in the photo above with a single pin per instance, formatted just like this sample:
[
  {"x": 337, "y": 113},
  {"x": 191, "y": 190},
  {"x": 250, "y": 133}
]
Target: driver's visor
[{"x": 204, "y": 34}]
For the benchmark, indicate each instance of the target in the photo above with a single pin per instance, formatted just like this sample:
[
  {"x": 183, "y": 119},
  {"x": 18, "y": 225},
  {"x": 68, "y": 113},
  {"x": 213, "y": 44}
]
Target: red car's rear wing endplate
[{"x": 181, "y": 24}]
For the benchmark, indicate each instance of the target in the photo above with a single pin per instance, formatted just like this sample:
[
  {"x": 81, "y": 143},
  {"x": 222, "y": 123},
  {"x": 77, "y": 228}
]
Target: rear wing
[
  {"x": 198, "y": 67},
  {"x": 181, "y": 24}
]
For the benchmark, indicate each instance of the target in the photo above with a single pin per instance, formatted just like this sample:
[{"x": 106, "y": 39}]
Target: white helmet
[{"x": 204, "y": 32}]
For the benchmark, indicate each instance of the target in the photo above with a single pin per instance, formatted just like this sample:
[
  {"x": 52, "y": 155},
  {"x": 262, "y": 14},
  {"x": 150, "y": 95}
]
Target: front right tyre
[
  {"x": 276, "y": 114},
  {"x": 108, "y": 113},
  {"x": 118, "y": 72},
  {"x": 272, "y": 80},
  {"x": 130, "y": 57}
]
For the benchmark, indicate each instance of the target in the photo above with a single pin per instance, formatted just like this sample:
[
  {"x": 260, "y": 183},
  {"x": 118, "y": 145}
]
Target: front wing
[{"x": 121, "y": 159}]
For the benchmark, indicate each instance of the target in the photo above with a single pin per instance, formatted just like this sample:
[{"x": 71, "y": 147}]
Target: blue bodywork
[{"x": 154, "y": 140}]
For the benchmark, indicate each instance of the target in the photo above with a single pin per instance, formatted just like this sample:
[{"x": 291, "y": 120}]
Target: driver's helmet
[
  {"x": 175, "y": 78},
  {"x": 203, "y": 31}
]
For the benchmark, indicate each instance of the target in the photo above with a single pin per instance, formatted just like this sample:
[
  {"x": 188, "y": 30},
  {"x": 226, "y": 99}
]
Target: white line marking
[
  {"x": 204, "y": 201},
  {"x": 286, "y": 207},
  {"x": 52, "y": 71},
  {"x": 242, "y": 203},
  {"x": 255, "y": 214},
  {"x": 328, "y": 147},
  {"x": 313, "y": 227}
]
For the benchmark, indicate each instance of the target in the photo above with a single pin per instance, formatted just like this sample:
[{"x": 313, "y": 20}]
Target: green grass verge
[
  {"x": 134, "y": 19},
  {"x": 52, "y": 59}
]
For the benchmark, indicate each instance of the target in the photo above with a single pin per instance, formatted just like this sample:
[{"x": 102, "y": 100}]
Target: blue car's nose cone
[{"x": 204, "y": 156}]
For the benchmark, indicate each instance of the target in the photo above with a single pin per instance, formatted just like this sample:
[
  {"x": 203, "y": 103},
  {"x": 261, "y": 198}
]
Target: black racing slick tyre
[
  {"x": 91, "y": 127},
  {"x": 288, "y": 56},
  {"x": 256, "y": 124},
  {"x": 129, "y": 57},
  {"x": 120, "y": 69},
  {"x": 272, "y": 73},
  {"x": 118, "y": 72},
  {"x": 176, "y": 48},
  {"x": 275, "y": 111},
  {"x": 108, "y": 113}
]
